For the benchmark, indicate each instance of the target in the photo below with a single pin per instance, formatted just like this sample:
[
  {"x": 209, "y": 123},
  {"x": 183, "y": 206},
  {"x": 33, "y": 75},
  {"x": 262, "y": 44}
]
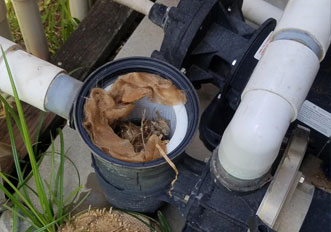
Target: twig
[
  {"x": 171, "y": 165},
  {"x": 118, "y": 229},
  {"x": 142, "y": 128}
]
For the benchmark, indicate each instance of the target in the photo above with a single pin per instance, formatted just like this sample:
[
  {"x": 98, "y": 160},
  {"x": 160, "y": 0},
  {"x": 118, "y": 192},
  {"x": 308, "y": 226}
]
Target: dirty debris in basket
[
  {"x": 106, "y": 112},
  {"x": 139, "y": 131}
]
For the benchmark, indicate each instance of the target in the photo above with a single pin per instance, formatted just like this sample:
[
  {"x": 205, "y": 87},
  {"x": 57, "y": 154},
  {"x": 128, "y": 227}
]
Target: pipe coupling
[{"x": 302, "y": 37}]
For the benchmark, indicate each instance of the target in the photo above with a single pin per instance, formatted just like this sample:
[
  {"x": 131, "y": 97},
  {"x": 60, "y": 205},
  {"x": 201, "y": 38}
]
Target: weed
[
  {"x": 56, "y": 18},
  {"x": 53, "y": 208}
]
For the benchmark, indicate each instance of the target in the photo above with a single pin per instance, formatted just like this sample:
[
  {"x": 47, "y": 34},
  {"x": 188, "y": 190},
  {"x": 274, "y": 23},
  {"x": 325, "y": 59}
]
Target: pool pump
[{"x": 268, "y": 76}]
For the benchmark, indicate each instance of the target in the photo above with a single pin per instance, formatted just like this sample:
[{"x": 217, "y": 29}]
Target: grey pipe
[{"x": 61, "y": 95}]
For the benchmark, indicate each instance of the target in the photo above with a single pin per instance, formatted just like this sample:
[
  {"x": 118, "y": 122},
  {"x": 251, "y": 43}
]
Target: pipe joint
[
  {"x": 302, "y": 37},
  {"x": 310, "y": 17},
  {"x": 287, "y": 70},
  {"x": 61, "y": 95},
  {"x": 159, "y": 14}
]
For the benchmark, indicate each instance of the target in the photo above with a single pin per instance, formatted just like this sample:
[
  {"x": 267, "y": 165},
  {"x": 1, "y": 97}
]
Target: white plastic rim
[
  {"x": 176, "y": 115},
  {"x": 181, "y": 127}
]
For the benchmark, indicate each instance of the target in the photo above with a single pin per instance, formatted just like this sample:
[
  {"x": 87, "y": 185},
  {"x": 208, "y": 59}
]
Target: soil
[{"x": 105, "y": 221}]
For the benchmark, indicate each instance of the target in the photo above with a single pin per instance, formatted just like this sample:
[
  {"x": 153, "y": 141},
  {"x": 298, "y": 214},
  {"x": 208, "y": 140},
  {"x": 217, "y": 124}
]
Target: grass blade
[
  {"x": 61, "y": 176},
  {"x": 164, "y": 225},
  {"x": 72, "y": 194},
  {"x": 41, "y": 120},
  {"x": 12, "y": 114},
  {"x": 52, "y": 178},
  {"x": 33, "y": 214},
  {"x": 80, "y": 202},
  {"x": 27, "y": 140},
  {"x": 15, "y": 154},
  {"x": 14, "y": 220},
  {"x": 133, "y": 214}
]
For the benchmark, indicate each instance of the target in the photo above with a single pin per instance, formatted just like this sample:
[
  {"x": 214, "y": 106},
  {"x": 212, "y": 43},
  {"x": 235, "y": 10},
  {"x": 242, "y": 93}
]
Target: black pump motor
[{"x": 210, "y": 42}]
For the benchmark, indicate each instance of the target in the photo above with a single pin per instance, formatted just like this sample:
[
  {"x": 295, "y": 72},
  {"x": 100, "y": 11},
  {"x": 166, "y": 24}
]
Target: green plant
[
  {"x": 57, "y": 21},
  {"x": 54, "y": 208},
  {"x": 56, "y": 18},
  {"x": 8, "y": 99},
  {"x": 161, "y": 224}
]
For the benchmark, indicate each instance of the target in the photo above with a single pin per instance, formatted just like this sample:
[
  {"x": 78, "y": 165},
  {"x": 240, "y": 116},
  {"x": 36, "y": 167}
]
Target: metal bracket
[{"x": 286, "y": 179}]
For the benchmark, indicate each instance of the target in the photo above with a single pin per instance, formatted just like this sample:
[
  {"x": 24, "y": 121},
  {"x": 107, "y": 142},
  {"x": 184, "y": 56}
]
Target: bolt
[
  {"x": 186, "y": 198},
  {"x": 302, "y": 179}
]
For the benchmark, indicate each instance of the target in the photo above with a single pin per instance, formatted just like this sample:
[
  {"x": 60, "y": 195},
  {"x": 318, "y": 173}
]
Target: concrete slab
[
  {"x": 6, "y": 223},
  {"x": 80, "y": 155}
]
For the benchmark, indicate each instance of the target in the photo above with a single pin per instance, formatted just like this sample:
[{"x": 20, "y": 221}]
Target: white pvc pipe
[
  {"x": 270, "y": 102},
  {"x": 258, "y": 11},
  {"x": 32, "y": 76},
  {"x": 4, "y": 26},
  {"x": 274, "y": 94},
  {"x": 142, "y": 6},
  {"x": 79, "y": 8},
  {"x": 311, "y": 17},
  {"x": 28, "y": 16}
]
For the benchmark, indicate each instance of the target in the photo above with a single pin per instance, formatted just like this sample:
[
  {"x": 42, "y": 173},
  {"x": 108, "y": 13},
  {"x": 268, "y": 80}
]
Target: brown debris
[
  {"x": 138, "y": 134},
  {"x": 104, "y": 111},
  {"x": 105, "y": 221},
  {"x": 172, "y": 165}
]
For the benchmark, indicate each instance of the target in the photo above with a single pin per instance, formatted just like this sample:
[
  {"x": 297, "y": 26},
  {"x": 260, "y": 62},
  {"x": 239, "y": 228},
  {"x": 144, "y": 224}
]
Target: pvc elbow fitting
[
  {"x": 252, "y": 140},
  {"x": 270, "y": 101}
]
